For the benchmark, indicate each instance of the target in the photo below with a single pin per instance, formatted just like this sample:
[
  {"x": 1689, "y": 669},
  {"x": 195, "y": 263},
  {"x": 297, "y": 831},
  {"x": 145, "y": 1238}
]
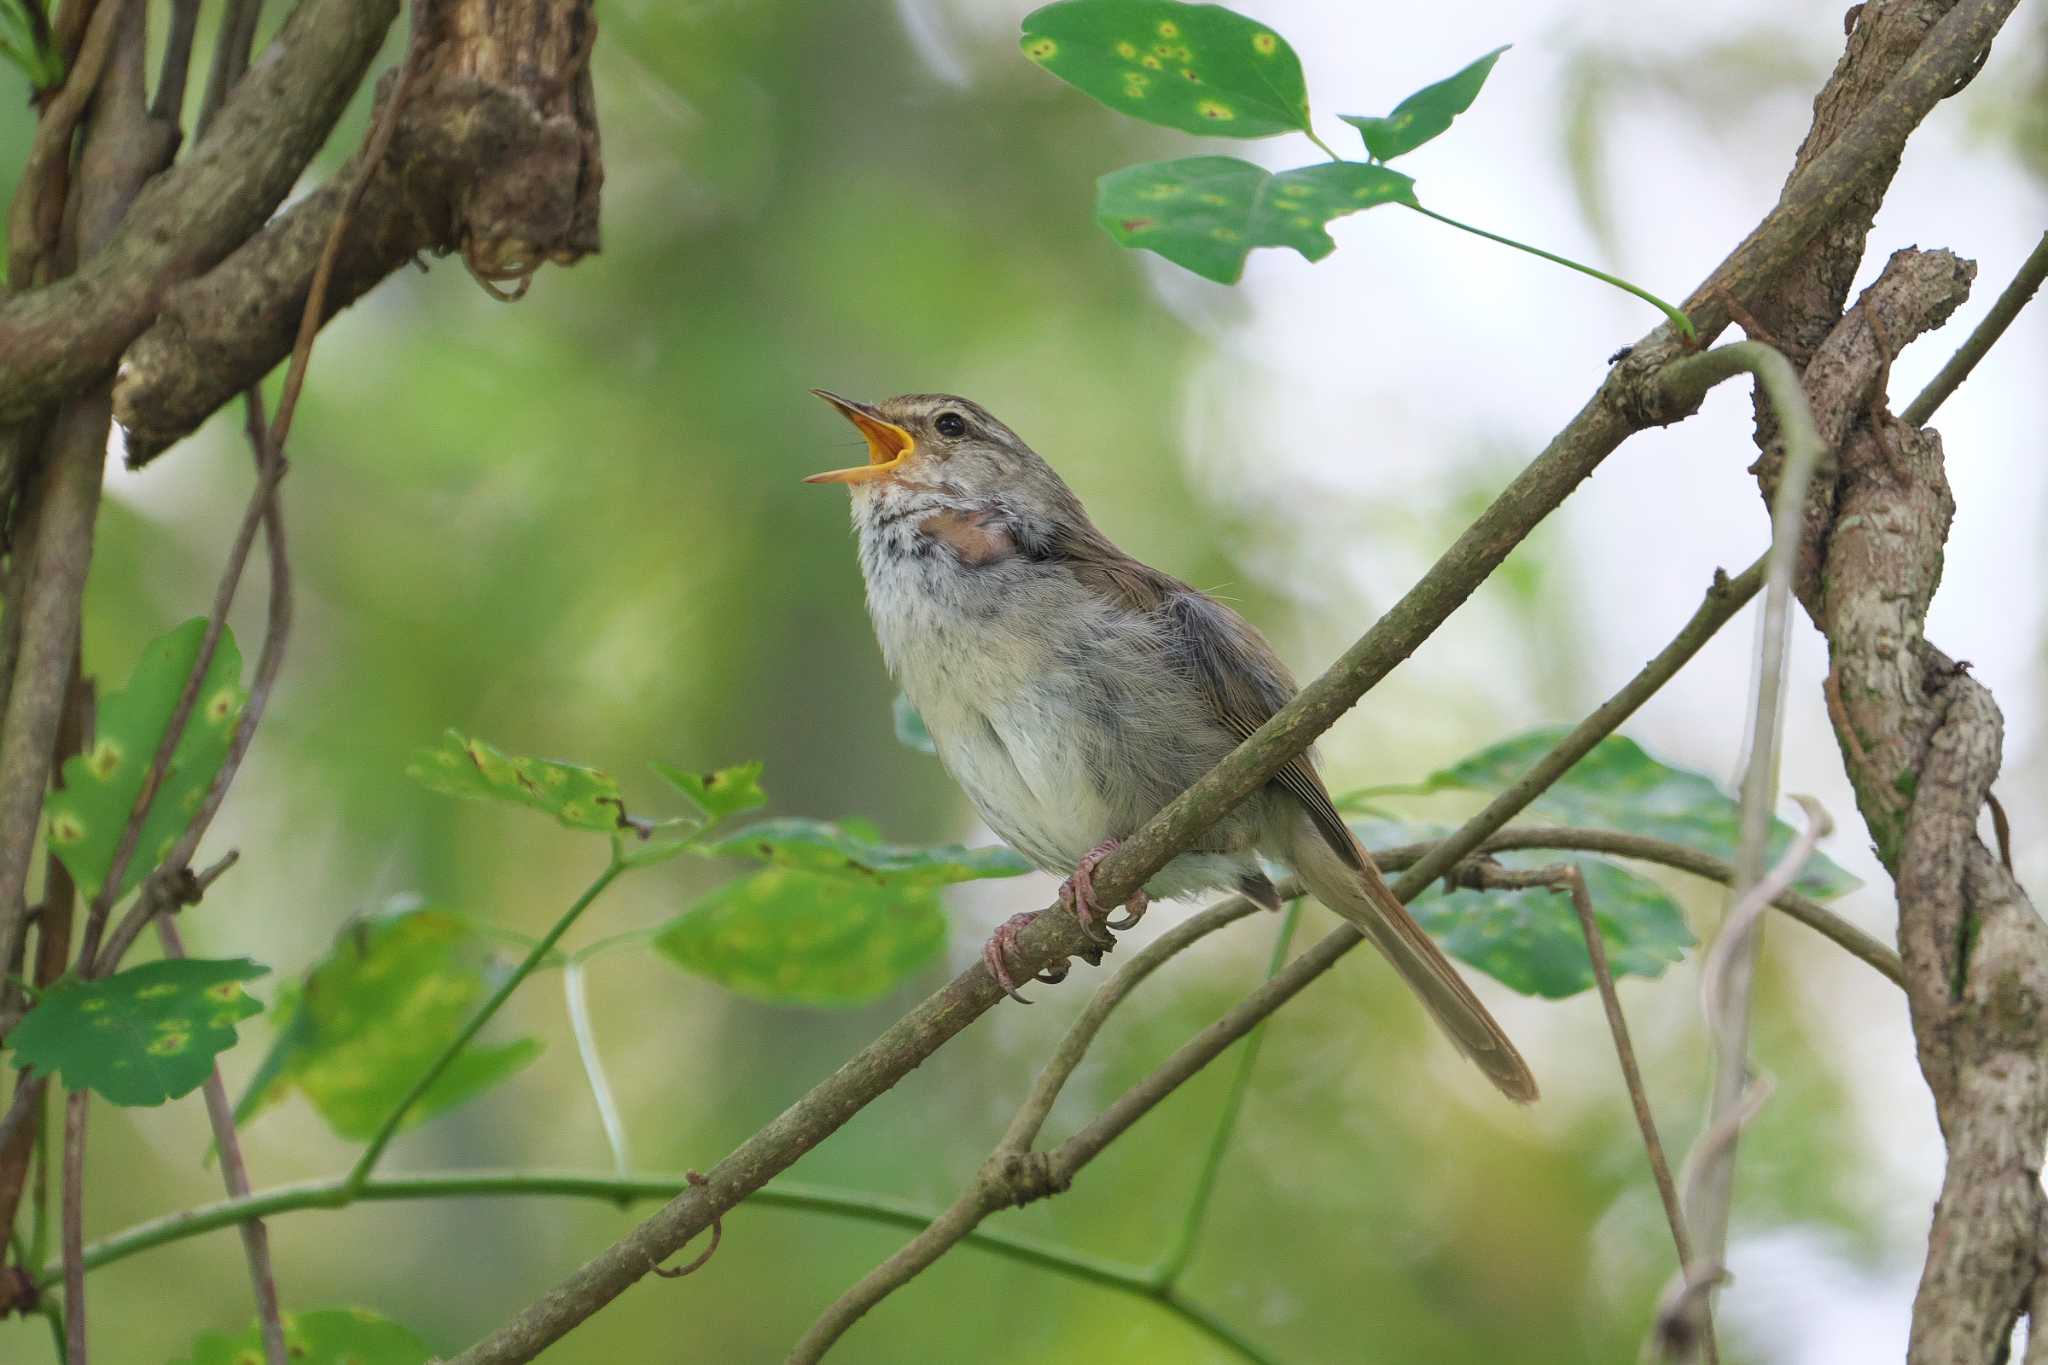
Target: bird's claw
[
  {"x": 1077, "y": 893},
  {"x": 995, "y": 953}
]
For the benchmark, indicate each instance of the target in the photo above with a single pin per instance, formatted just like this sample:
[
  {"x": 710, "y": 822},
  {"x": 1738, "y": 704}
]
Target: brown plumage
[{"x": 1073, "y": 691}]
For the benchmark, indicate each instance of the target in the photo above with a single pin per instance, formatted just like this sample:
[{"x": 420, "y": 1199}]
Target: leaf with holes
[
  {"x": 86, "y": 818},
  {"x": 581, "y": 798},
  {"x": 371, "y": 1016},
  {"x": 1198, "y": 68},
  {"x": 847, "y": 852},
  {"x": 1206, "y": 213},
  {"x": 324, "y": 1336},
  {"x": 1618, "y": 786},
  {"x": 910, "y": 729},
  {"x": 141, "y": 1036},
  {"x": 806, "y": 938},
  {"x": 728, "y": 791},
  {"x": 1424, "y": 114}
]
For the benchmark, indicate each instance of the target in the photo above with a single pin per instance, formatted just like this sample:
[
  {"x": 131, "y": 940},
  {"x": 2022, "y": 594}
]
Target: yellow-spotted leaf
[
  {"x": 371, "y": 1016},
  {"x": 581, "y": 798},
  {"x": 1424, "y": 114},
  {"x": 724, "y": 792},
  {"x": 852, "y": 853},
  {"x": 324, "y": 1336},
  {"x": 1206, "y": 213},
  {"x": 1198, "y": 68},
  {"x": 807, "y": 938},
  {"x": 86, "y": 818},
  {"x": 141, "y": 1036}
]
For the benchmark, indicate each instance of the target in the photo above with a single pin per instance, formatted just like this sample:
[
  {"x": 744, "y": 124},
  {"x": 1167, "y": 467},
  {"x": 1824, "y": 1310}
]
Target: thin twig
[
  {"x": 220, "y": 1112},
  {"x": 39, "y": 194},
  {"x": 1812, "y": 914},
  {"x": 1707, "y": 1213},
  {"x": 1759, "y": 898},
  {"x": 1980, "y": 341},
  {"x": 1013, "y": 1173},
  {"x": 1567, "y": 878},
  {"x": 231, "y": 44},
  {"x": 169, "y": 102},
  {"x": 72, "y": 1219},
  {"x": 1176, "y": 1259},
  {"x": 378, "y": 142},
  {"x": 388, "y": 1129}
]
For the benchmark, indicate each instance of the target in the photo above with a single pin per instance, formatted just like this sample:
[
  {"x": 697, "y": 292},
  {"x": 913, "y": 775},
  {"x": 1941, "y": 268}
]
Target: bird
[{"x": 1073, "y": 691}]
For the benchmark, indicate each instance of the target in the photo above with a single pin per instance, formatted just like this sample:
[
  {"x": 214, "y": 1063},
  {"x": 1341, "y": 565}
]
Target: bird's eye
[{"x": 951, "y": 424}]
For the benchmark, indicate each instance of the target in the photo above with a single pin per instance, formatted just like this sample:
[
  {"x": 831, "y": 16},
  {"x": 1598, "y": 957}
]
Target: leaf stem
[
  {"x": 1678, "y": 318},
  {"x": 1170, "y": 1266},
  {"x": 1326, "y": 148},
  {"x": 593, "y": 1065},
  {"x": 387, "y": 1130}
]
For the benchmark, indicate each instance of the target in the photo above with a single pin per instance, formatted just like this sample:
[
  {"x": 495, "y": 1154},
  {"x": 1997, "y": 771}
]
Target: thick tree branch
[
  {"x": 495, "y": 155},
  {"x": 56, "y": 339}
]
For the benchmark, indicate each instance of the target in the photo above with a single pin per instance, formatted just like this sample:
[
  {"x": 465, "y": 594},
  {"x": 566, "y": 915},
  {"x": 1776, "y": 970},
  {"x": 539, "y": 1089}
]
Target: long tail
[{"x": 1361, "y": 895}]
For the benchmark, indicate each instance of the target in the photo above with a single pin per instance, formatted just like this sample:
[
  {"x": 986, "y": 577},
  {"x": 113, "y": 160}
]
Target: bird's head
[{"x": 946, "y": 450}]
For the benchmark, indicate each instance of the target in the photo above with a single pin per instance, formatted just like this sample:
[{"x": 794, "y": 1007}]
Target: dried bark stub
[{"x": 495, "y": 157}]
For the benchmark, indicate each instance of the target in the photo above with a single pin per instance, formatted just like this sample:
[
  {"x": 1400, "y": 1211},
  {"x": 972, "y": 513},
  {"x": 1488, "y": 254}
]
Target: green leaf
[
  {"x": 728, "y": 791},
  {"x": 845, "y": 852},
  {"x": 141, "y": 1036},
  {"x": 1425, "y": 113},
  {"x": 910, "y": 726},
  {"x": 372, "y": 1015},
  {"x": 325, "y": 1336},
  {"x": 1206, "y": 213},
  {"x": 1531, "y": 940},
  {"x": 806, "y": 938},
  {"x": 1198, "y": 68},
  {"x": 100, "y": 786},
  {"x": 1618, "y": 786},
  {"x": 581, "y": 798}
]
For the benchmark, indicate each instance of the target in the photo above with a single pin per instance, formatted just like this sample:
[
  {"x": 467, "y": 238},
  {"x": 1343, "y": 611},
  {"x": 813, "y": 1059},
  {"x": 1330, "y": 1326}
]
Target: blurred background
[{"x": 575, "y": 527}]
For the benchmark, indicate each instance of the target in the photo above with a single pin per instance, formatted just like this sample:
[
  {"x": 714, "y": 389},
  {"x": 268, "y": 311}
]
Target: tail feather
[{"x": 1361, "y": 896}]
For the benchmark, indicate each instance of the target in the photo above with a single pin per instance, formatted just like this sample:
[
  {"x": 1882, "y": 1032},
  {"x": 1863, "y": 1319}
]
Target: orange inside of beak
[{"x": 888, "y": 444}]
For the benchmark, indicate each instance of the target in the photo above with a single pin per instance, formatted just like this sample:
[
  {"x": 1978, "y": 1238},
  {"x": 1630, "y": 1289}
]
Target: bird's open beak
[{"x": 888, "y": 444}]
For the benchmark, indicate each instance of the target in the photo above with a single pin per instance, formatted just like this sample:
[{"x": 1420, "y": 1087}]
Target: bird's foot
[
  {"x": 996, "y": 952},
  {"x": 1077, "y": 893}
]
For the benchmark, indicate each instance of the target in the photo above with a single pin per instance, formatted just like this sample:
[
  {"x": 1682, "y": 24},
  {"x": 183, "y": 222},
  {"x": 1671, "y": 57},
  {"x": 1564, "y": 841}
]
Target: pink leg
[
  {"x": 995, "y": 953},
  {"x": 1077, "y": 893}
]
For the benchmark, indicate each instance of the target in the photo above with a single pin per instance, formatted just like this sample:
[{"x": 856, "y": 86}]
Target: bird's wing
[{"x": 1221, "y": 652}]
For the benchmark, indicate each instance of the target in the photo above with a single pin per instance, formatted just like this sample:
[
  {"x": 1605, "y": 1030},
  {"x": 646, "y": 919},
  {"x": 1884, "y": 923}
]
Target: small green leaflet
[
  {"x": 846, "y": 852},
  {"x": 1424, "y": 114},
  {"x": 728, "y": 791},
  {"x": 910, "y": 726},
  {"x": 325, "y": 1336},
  {"x": 100, "y": 786},
  {"x": 1206, "y": 213},
  {"x": 806, "y": 938},
  {"x": 1618, "y": 786},
  {"x": 141, "y": 1036},
  {"x": 373, "y": 1014},
  {"x": 581, "y": 798},
  {"x": 1198, "y": 68}
]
